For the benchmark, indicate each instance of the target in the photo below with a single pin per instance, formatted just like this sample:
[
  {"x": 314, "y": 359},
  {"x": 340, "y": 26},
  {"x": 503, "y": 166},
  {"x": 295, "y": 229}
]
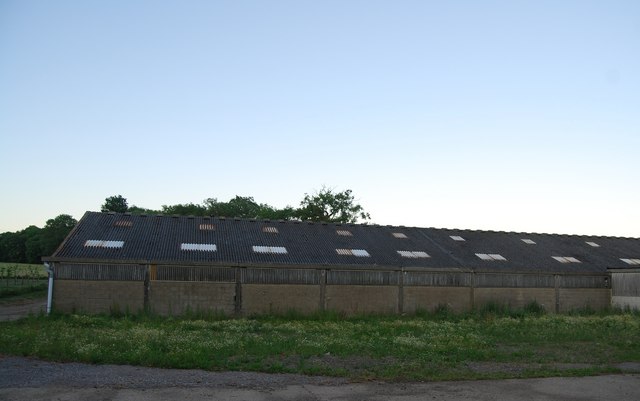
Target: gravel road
[{"x": 31, "y": 379}]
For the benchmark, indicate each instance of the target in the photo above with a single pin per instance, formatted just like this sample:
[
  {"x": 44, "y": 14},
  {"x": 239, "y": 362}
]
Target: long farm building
[{"x": 171, "y": 265}]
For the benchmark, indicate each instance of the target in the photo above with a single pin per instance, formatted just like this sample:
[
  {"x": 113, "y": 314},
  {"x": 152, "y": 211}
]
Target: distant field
[
  {"x": 22, "y": 270},
  {"x": 21, "y": 278}
]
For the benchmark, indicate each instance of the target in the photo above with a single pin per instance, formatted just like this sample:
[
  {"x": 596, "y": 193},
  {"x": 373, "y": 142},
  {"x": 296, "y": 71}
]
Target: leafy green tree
[
  {"x": 116, "y": 203},
  {"x": 21, "y": 246},
  {"x": 247, "y": 207},
  {"x": 187, "y": 209},
  {"x": 11, "y": 247},
  {"x": 323, "y": 205},
  {"x": 286, "y": 213},
  {"x": 32, "y": 236},
  {"x": 55, "y": 231},
  {"x": 141, "y": 210},
  {"x": 240, "y": 206},
  {"x": 327, "y": 205}
]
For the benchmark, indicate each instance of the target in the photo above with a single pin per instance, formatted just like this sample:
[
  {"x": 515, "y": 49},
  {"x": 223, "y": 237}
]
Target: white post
[{"x": 50, "y": 292}]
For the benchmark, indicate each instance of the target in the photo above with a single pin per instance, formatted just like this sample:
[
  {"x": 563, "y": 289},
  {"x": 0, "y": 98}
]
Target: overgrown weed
[{"x": 430, "y": 345}]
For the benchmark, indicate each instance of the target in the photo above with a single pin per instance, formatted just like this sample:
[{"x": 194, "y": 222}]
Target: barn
[{"x": 172, "y": 265}]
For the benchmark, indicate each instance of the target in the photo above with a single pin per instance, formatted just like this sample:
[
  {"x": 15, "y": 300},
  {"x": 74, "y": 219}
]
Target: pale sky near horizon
[{"x": 498, "y": 115}]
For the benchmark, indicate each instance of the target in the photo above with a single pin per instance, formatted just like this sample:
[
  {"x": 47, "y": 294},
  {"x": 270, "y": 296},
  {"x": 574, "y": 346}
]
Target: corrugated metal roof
[{"x": 160, "y": 239}]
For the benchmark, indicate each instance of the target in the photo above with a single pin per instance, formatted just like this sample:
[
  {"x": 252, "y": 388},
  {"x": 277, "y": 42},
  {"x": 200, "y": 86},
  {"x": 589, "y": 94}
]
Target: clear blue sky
[{"x": 504, "y": 115}]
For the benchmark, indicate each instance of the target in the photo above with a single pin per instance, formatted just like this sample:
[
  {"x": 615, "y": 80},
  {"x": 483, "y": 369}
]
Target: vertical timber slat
[
  {"x": 557, "y": 289},
  {"x": 147, "y": 285},
  {"x": 473, "y": 290},
  {"x": 323, "y": 290},
  {"x": 237, "y": 307},
  {"x": 401, "y": 275}
]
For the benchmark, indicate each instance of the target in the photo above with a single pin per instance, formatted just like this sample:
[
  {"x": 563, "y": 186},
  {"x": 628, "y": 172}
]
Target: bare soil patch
[{"x": 18, "y": 309}]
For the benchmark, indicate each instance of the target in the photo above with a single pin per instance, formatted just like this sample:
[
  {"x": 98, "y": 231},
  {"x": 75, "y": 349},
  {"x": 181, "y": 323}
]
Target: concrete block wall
[
  {"x": 516, "y": 298},
  {"x": 355, "y": 299},
  {"x": 178, "y": 297},
  {"x": 457, "y": 299},
  {"x": 237, "y": 298},
  {"x": 579, "y": 298},
  {"x": 626, "y": 302},
  {"x": 98, "y": 296},
  {"x": 280, "y": 298}
]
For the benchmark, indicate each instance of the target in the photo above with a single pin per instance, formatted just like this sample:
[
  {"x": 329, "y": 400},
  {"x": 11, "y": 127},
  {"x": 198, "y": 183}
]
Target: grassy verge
[
  {"x": 13, "y": 294},
  {"x": 23, "y": 294},
  {"x": 437, "y": 346}
]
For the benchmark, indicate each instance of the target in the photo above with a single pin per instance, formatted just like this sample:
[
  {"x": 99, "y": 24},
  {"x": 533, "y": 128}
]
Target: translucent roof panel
[
  {"x": 98, "y": 243},
  {"x": 360, "y": 253},
  {"x": 353, "y": 252},
  {"x": 269, "y": 249},
  {"x": 566, "y": 259},
  {"x": 491, "y": 256},
  {"x": 198, "y": 247},
  {"x": 413, "y": 254}
]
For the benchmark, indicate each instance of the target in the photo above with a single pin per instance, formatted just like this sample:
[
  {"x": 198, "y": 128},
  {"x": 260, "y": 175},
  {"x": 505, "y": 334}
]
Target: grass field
[
  {"x": 428, "y": 347},
  {"x": 19, "y": 278}
]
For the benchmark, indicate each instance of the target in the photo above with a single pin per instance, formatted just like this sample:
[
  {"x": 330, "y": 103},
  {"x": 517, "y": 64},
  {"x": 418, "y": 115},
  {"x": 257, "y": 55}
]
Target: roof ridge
[{"x": 336, "y": 224}]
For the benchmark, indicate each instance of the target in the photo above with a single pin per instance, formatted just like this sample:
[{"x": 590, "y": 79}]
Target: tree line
[
  {"x": 323, "y": 205},
  {"x": 30, "y": 244}
]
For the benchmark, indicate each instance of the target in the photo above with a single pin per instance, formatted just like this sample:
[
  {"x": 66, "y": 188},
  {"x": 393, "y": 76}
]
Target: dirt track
[{"x": 29, "y": 379}]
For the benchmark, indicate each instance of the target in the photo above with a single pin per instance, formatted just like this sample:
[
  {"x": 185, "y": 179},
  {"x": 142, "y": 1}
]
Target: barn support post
[
  {"x": 323, "y": 290},
  {"x": 556, "y": 278},
  {"x": 401, "y": 274},
  {"x": 237, "y": 300},
  {"x": 147, "y": 284},
  {"x": 472, "y": 292}
]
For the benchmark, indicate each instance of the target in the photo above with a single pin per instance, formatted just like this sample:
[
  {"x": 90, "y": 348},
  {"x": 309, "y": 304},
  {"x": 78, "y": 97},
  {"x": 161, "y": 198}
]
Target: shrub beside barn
[{"x": 171, "y": 265}]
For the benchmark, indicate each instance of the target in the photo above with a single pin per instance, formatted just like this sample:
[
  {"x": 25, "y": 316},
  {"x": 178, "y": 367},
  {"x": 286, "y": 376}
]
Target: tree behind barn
[
  {"x": 116, "y": 204},
  {"x": 324, "y": 205},
  {"x": 333, "y": 207}
]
